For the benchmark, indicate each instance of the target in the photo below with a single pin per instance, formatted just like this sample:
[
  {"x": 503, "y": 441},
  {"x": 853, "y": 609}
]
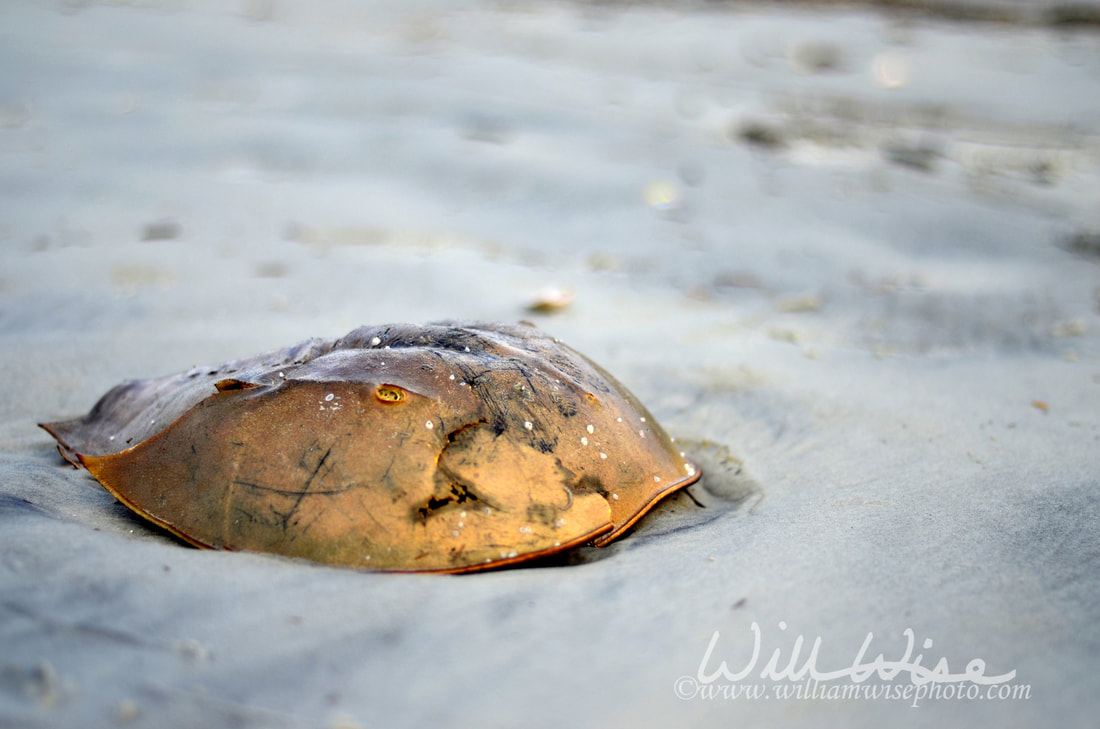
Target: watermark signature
[{"x": 798, "y": 677}]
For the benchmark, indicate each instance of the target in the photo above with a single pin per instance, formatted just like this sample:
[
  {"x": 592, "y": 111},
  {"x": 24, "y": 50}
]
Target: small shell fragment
[
  {"x": 397, "y": 468},
  {"x": 550, "y": 299}
]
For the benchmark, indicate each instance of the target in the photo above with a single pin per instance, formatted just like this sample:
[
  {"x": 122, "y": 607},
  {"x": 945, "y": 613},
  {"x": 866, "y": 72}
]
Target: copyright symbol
[{"x": 686, "y": 687}]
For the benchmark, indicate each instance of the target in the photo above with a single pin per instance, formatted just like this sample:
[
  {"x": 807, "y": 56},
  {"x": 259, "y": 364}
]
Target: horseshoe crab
[{"x": 447, "y": 447}]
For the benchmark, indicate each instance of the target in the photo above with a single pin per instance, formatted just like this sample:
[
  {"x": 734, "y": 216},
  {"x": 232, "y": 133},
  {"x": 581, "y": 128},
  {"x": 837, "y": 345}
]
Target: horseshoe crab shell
[{"x": 447, "y": 447}]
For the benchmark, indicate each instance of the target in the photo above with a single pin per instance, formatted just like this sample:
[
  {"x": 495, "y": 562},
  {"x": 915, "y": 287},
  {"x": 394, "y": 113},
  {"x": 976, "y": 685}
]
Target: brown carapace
[{"x": 446, "y": 447}]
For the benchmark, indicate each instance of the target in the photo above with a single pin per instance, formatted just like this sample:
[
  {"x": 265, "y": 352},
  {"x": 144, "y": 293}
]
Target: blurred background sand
[{"x": 847, "y": 254}]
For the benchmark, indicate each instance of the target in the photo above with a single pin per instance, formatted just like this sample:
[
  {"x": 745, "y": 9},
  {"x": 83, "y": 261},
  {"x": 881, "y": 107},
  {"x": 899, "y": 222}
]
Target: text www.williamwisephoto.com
[{"x": 794, "y": 676}]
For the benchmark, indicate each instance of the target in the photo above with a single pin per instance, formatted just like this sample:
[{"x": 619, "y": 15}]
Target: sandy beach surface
[{"x": 850, "y": 259}]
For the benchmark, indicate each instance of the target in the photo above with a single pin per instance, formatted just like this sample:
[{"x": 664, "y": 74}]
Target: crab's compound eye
[{"x": 389, "y": 394}]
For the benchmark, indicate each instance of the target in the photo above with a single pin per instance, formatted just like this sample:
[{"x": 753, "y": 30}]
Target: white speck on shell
[
  {"x": 615, "y": 497},
  {"x": 528, "y": 424},
  {"x": 603, "y": 456},
  {"x": 328, "y": 397},
  {"x": 375, "y": 341},
  {"x": 584, "y": 441},
  {"x": 525, "y": 529},
  {"x": 656, "y": 479},
  {"x": 591, "y": 429},
  {"x": 429, "y": 425}
]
